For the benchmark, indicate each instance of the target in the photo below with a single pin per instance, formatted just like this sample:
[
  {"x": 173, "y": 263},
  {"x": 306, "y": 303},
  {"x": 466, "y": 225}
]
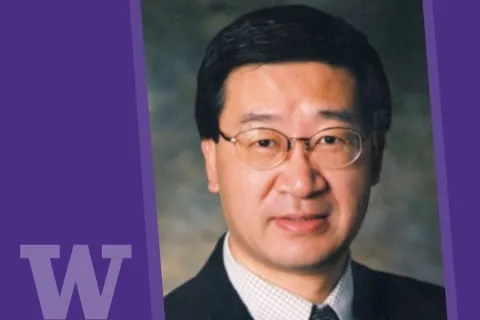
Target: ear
[
  {"x": 209, "y": 153},
  {"x": 378, "y": 146}
]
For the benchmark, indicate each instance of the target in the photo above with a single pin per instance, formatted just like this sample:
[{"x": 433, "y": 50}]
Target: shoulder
[
  {"x": 414, "y": 297},
  {"x": 186, "y": 302},
  {"x": 408, "y": 288},
  {"x": 205, "y": 295},
  {"x": 409, "y": 296}
]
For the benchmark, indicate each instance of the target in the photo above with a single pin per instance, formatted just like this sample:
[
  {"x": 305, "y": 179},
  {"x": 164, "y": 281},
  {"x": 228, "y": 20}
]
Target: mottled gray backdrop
[{"x": 401, "y": 232}]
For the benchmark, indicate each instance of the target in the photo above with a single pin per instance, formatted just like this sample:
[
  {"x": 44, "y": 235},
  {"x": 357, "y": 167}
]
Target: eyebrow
[
  {"x": 346, "y": 116},
  {"x": 258, "y": 117},
  {"x": 342, "y": 115}
]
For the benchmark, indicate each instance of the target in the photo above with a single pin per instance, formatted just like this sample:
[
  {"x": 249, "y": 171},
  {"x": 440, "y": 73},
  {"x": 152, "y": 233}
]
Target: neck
[{"x": 313, "y": 285}]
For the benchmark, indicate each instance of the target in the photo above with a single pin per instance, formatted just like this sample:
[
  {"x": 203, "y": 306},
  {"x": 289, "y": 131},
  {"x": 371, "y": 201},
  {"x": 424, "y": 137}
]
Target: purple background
[
  {"x": 453, "y": 48},
  {"x": 72, "y": 174}
]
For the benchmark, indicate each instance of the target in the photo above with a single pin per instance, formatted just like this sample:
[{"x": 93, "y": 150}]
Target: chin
[
  {"x": 305, "y": 259},
  {"x": 301, "y": 264}
]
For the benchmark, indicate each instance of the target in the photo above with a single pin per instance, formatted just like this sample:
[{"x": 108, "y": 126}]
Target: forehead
[{"x": 287, "y": 90}]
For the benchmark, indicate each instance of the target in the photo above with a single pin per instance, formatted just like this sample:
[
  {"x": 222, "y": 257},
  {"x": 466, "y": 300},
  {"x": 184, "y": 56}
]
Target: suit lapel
[
  {"x": 219, "y": 293},
  {"x": 368, "y": 302}
]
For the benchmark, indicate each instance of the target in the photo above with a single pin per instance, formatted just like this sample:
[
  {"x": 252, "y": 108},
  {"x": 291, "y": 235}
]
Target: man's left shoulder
[
  {"x": 410, "y": 296},
  {"x": 401, "y": 296},
  {"x": 408, "y": 287}
]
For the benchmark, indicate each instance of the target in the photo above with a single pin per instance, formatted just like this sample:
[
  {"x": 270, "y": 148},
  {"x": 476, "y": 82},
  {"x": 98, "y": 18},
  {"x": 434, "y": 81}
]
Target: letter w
[{"x": 80, "y": 272}]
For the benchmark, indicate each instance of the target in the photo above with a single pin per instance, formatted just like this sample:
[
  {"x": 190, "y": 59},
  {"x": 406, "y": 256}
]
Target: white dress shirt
[{"x": 265, "y": 301}]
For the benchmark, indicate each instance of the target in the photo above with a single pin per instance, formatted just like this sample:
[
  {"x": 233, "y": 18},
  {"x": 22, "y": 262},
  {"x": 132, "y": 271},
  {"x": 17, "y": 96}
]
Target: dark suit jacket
[{"x": 377, "y": 296}]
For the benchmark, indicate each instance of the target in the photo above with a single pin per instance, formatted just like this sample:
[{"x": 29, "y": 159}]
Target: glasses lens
[
  {"x": 261, "y": 148},
  {"x": 336, "y": 148}
]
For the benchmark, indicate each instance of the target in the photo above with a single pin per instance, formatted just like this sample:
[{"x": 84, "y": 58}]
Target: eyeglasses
[{"x": 265, "y": 148}]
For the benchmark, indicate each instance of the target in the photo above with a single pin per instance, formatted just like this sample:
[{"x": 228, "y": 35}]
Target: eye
[
  {"x": 329, "y": 140},
  {"x": 261, "y": 140},
  {"x": 265, "y": 143}
]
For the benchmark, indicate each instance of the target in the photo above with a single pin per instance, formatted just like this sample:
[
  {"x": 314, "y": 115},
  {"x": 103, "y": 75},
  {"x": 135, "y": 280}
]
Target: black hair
[{"x": 291, "y": 33}]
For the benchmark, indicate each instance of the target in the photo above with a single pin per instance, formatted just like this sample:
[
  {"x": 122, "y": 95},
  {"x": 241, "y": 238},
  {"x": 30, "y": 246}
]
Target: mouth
[{"x": 302, "y": 223}]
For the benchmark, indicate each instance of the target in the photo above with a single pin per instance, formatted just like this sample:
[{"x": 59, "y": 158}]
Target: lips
[
  {"x": 302, "y": 223},
  {"x": 302, "y": 217}
]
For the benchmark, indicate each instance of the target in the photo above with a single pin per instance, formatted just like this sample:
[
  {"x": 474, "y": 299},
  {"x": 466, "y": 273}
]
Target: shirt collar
[{"x": 265, "y": 301}]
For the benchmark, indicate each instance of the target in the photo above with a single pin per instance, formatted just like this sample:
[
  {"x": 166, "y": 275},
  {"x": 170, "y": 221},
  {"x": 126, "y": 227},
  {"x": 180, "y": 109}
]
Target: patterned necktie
[{"x": 325, "y": 313}]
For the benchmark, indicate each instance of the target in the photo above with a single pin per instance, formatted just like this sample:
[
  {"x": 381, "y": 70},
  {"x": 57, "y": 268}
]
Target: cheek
[
  {"x": 241, "y": 189},
  {"x": 350, "y": 189}
]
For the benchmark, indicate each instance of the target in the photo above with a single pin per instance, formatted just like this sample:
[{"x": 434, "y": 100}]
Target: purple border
[
  {"x": 148, "y": 177},
  {"x": 441, "y": 174},
  {"x": 76, "y": 165},
  {"x": 454, "y": 69}
]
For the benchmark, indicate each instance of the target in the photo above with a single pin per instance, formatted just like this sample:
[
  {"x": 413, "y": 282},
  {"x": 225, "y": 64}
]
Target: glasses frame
[{"x": 306, "y": 141}]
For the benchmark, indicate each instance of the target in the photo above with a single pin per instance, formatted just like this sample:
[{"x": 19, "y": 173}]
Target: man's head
[{"x": 292, "y": 72}]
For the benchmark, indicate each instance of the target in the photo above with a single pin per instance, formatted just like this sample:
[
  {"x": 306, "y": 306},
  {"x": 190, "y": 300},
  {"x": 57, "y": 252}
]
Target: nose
[{"x": 298, "y": 177}]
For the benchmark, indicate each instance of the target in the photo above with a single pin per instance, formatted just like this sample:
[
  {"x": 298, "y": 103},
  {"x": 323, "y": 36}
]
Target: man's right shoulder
[{"x": 187, "y": 302}]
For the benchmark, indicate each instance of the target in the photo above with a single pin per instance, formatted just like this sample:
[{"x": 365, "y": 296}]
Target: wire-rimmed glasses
[{"x": 266, "y": 148}]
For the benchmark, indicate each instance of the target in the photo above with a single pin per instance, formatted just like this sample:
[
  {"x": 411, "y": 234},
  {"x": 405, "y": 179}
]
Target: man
[{"x": 292, "y": 107}]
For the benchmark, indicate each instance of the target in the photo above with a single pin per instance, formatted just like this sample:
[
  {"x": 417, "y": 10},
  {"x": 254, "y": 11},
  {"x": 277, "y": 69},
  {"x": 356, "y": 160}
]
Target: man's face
[{"x": 290, "y": 98}]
